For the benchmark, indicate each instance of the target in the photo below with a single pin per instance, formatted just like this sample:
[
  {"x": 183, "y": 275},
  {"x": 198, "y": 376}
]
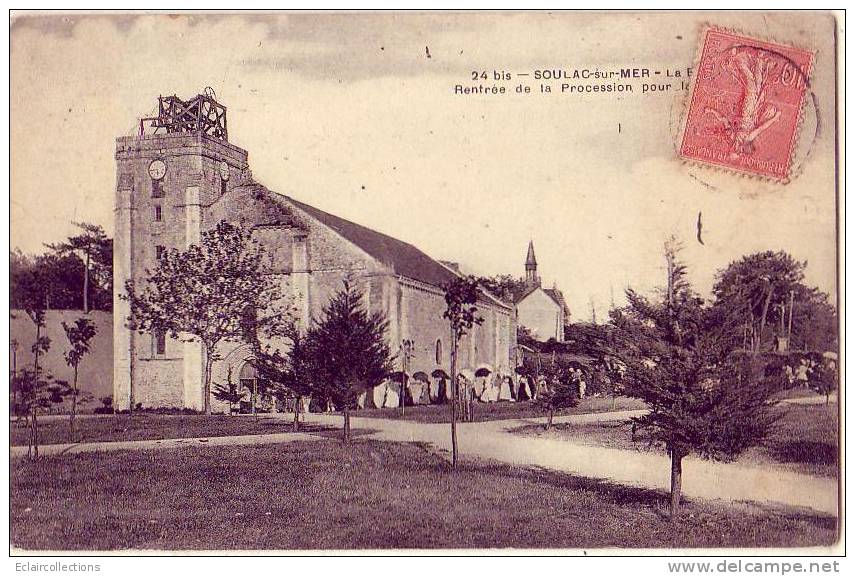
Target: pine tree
[
  {"x": 96, "y": 251},
  {"x": 684, "y": 360},
  {"x": 349, "y": 353}
]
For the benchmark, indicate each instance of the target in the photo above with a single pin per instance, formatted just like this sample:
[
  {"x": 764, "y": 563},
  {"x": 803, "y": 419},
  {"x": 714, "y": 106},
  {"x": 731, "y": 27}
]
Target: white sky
[{"x": 329, "y": 104}]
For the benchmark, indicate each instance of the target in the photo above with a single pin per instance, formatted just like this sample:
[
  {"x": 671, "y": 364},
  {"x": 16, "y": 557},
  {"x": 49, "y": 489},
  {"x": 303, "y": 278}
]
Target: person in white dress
[
  {"x": 392, "y": 398},
  {"x": 505, "y": 388}
]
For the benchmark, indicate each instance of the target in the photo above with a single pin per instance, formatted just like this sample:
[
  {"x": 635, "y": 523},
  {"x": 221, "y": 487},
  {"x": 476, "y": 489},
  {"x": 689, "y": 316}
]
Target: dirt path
[
  {"x": 811, "y": 400},
  {"x": 701, "y": 478}
]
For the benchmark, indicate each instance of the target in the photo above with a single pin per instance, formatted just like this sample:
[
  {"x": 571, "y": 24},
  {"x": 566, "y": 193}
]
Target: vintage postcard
[{"x": 427, "y": 283}]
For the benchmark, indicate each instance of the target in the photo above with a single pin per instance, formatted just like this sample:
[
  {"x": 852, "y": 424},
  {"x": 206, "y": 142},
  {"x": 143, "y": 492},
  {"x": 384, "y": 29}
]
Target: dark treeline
[{"x": 76, "y": 274}]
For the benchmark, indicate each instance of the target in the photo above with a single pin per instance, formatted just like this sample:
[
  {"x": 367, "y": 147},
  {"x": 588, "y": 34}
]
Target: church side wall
[
  {"x": 422, "y": 322},
  {"x": 310, "y": 264}
]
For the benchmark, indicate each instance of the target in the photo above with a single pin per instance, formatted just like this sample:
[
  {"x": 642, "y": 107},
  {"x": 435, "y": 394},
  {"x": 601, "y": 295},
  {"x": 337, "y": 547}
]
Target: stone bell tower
[{"x": 178, "y": 164}]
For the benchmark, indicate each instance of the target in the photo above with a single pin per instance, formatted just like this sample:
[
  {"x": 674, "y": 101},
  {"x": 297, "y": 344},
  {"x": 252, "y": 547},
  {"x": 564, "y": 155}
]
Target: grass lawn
[
  {"x": 804, "y": 440},
  {"x": 498, "y": 410},
  {"x": 123, "y": 427},
  {"x": 323, "y": 495}
]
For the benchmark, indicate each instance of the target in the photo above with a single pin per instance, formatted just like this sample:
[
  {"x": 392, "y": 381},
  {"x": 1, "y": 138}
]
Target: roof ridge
[
  {"x": 351, "y": 222},
  {"x": 404, "y": 258}
]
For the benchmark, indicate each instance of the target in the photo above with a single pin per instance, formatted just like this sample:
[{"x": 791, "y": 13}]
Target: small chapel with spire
[{"x": 542, "y": 311}]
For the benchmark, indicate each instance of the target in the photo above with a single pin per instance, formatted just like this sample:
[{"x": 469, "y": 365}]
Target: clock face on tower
[
  {"x": 157, "y": 169},
  {"x": 224, "y": 170}
]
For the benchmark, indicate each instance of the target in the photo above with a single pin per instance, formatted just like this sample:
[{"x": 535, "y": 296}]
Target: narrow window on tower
[
  {"x": 223, "y": 184},
  {"x": 156, "y": 188},
  {"x": 158, "y": 252},
  {"x": 158, "y": 213},
  {"x": 159, "y": 342},
  {"x": 439, "y": 351}
]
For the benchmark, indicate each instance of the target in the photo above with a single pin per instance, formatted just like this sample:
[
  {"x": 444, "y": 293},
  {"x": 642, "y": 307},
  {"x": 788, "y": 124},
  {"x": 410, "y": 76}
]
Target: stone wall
[{"x": 96, "y": 369}]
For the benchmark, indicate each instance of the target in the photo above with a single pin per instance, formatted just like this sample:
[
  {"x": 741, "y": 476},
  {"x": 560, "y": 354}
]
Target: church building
[
  {"x": 542, "y": 311},
  {"x": 180, "y": 176}
]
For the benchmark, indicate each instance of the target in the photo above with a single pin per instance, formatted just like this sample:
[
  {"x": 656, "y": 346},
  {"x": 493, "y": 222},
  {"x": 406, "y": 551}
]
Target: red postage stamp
[{"x": 745, "y": 107}]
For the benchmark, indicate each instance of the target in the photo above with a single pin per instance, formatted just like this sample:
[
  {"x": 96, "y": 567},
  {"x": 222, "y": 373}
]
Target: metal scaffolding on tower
[{"x": 201, "y": 114}]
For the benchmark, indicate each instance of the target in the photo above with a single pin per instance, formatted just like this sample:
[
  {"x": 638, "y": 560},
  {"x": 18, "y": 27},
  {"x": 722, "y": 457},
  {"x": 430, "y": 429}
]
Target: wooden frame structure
[{"x": 201, "y": 114}]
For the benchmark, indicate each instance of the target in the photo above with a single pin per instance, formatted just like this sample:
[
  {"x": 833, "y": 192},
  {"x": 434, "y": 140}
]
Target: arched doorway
[{"x": 256, "y": 389}]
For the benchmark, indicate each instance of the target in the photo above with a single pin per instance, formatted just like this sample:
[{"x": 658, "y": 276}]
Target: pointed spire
[
  {"x": 530, "y": 260},
  {"x": 531, "y": 277}
]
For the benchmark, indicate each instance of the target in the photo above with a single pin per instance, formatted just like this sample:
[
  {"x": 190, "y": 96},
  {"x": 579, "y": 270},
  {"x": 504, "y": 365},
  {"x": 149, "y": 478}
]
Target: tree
[
  {"x": 814, "y": 324},
  {"x": 202, "y": 293},
  {"x": 607, "y": 377},
  {"x": 822, "y": 374},
  {"x": 64, "y": 276},
  {"x": 94, "y": 247},
  {"x": 301, "y": 370},
  {"x": 586, "y": 338},
  {"x": 760, "y": 287},
  {"x": 60, "y": 275},
  {"x": 349, "y": 352},
  {"x": 20, "y": 265},
  {"x": 685, "y": 361},
  {"x": 505, "y": 287},
  {"x": 268, "y": 330},
  {"x": 34, "y": 389},
  {"x": 227, "y": 392},
  {"x": 79, "y": 335},
  {"x": 461, "y": 297},
  {"x": 560, "y": 388},
  {"x": 37, "y": 391}
]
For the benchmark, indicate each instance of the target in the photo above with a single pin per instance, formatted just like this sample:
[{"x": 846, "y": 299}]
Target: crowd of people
[{"x": 482, "y": 387}]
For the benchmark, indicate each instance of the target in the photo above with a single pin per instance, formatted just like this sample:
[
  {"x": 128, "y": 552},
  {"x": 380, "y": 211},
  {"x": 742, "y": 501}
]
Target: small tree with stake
[
  {"x": 560, "y": 389},
  {"x": 683, "y": 359},
  {"x": 38, "y": 391},
  {"x": 349, "y": 352},
  {"x": 79, "y": 335},
  {"x": 267, "y": 331},
  {"x": 201, "y": 293},
  {"x": 461, "y": 297},
  {"x": 297, "y": 381},
  {"x": 35, "y": 389}
]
